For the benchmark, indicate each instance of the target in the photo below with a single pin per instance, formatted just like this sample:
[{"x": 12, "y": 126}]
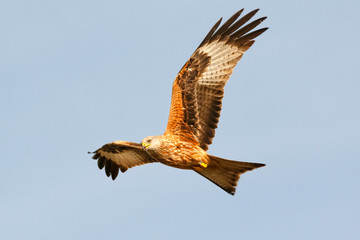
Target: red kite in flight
[{"x": 197, "y": 95}]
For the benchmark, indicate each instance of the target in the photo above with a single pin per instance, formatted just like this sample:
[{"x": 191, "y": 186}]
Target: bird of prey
[{"x": 196, "y": 101}]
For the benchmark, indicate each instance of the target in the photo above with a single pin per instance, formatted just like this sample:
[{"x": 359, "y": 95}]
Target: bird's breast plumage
[{"x": 177, "y": 153}]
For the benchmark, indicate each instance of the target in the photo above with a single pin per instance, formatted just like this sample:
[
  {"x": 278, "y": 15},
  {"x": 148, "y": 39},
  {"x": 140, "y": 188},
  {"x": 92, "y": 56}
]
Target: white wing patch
[
  {"x": 127, "y": 158},
  {"x": 223, "y": 59}
]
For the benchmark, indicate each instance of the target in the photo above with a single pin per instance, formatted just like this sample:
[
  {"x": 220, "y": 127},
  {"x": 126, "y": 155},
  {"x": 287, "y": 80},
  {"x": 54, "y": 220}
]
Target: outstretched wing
[
  {"x": 199, "y": 86},
  {"x": 120, "y": 155}
]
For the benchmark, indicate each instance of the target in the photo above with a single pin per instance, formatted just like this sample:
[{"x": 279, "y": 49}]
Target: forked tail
[{"x": 225, "y": 173}]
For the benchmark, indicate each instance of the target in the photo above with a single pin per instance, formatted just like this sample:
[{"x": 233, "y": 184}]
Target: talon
[{"x": 204, "y": 165}]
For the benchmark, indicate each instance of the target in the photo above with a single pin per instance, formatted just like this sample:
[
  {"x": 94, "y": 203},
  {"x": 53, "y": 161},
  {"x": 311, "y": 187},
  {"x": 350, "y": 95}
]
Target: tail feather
[{"x": 225, "y": 173}]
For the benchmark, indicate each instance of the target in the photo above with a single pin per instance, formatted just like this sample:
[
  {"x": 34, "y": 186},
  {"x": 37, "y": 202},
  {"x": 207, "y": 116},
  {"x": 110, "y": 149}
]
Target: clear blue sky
[{"x": 78, "y": 74}]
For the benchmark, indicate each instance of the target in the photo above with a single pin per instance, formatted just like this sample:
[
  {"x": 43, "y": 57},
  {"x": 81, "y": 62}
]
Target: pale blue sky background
[{"x": 78, "y": 74}]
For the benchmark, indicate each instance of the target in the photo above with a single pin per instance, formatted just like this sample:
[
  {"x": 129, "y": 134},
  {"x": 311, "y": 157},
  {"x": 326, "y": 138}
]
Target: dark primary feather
[{"x": 227, "y": 24}]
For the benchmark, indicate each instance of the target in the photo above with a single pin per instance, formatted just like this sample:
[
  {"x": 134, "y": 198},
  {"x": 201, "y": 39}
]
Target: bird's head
[{"x": 151, "y": 142}]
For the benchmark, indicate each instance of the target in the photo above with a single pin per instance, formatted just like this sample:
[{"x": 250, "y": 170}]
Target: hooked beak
[{"x": 145, "y": 145}]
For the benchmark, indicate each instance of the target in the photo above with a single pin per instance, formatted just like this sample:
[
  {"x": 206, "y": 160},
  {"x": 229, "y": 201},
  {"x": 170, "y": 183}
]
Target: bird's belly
[
  {"x": 177, "y": 163},
  {"x": 186, "y": 157}
]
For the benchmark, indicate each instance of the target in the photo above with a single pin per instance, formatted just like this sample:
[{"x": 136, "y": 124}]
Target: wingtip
[
  {"x": 261, "y": 165},
  {"x": 264, "y": 29},
  {"x": 240, "y": 11},
  {"x": 253, "y": 12},
  {"x": 95, "y": 156},
  {"x": 263, "y": 19},
  {"x": 113, "y": 176}
]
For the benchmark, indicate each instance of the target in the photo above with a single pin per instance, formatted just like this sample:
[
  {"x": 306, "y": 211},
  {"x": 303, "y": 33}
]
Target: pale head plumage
[{"x": 151, "y": 143}]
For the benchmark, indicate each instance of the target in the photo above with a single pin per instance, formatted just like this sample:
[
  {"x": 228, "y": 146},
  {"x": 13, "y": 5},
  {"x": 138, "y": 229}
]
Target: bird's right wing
[
  {"x": 120, "y": 155},
  {"x": 199, "y": 86}
]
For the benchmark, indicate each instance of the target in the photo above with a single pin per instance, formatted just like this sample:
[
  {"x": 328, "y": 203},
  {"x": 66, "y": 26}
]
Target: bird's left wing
[{"x": 120, "y": 155}]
